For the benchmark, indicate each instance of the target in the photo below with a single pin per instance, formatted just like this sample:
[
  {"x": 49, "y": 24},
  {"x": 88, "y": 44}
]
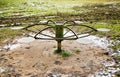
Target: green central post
[
  {"x": 59, "y": 47},
  {"x": 59, "y": 34}
]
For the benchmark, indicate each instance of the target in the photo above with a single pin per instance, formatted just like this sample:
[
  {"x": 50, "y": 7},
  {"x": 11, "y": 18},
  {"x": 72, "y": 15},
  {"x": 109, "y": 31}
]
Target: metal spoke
[
  {"x": 58, "y": 30},
  {"x": 40, "y": 32}
]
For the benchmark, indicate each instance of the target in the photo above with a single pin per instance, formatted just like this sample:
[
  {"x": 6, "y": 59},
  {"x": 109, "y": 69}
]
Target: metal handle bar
[{"x": 66, "y": 25}]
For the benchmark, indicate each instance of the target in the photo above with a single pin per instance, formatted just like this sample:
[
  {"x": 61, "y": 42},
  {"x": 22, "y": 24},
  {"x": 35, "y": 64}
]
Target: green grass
[
  {"x": 63, "y": 53},
  {"x": 114, "y": 29},
  {"x": 7, "y": 33},
  {"x": 48, "y": 7},
  {"x": 77, "y": 51},
  {"x": 66, "y": 9},
  {"x": 116, "y": 44}
]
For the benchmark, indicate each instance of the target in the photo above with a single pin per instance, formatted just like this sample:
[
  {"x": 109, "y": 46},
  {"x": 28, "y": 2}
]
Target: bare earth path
[{"x": 37, "y": 59}]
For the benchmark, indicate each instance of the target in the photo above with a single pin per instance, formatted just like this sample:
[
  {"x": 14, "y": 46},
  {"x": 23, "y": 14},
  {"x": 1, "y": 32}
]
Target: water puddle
[
  {"x": 11, "y": 46},
  {"x": 95, "y": 41},
  {"x": 108, "y": 69},
  {"x": 43, "y": 36},
  {"x": 103, "y": 29},
  {"x": 26, "y": 40},
  {"x": 17, "y": 28}
]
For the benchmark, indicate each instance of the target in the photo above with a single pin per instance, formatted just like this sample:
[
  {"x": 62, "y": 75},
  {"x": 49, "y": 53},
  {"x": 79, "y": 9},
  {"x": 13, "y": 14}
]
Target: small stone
[
  {"x": 11, "y": 68},
  {"x": 78, "y": 22},
  {"x": 33, "y": 76},
  {"x": 57, "y": 62},
  {"x": 50, "y": 75},
  {"x": 77, "y": 58},
  {"x": 2, "y": 70},
  {"x": 3, "y": 25},
  {"x": 17, "y": 75},
  {"x": 27, "y": 47},
  {"x": 1, "y": 50},
  {"x": 106, "y": 53},
  {"x": 43, "y": 22},
  {"x": 106, "y": 12},
  {"x": 1, "y": 54},
  {"x": 11, "y": 46},
  {"x": 96, "y": 7},
  {"x": 29, "y": 74},
  {"x": 7, "y": 75}
]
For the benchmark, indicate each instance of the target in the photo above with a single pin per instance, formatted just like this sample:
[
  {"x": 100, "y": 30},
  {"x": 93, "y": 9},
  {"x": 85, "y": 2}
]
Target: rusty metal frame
[
  {"x": 65, "y": 25},
  {"x": 59, "y": 31}
]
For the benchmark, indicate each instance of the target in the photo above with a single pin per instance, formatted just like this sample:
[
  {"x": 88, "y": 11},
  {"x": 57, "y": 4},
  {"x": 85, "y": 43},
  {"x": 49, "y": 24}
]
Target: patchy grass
[
  {"x": 48, "y": 7},
  {"x": 85, "y": 10},
  {"x": 116, "y": 44},
  {"x": 114, "y": 29},
  {"x": 7, "y": 33},
  {"x": 63, "y": 53},
  {"x": 77, "y": 51}
]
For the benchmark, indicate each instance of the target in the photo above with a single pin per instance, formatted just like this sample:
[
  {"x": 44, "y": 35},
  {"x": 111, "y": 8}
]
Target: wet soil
[{"x": 37, "y": 59}]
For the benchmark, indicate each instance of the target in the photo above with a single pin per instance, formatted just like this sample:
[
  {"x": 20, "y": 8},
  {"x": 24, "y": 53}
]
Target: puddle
[
  {"x": 108, "y": 70},
  {"x": 43, "y": 36},
  {"x": 11, "y": 47},
  {"x": 51, "y": 16},
  {"x": 103, "y": 29},
  {"x": 95, "y": 41},
  {"x": 109, "y": 63},
  {"x": 43, "y": 22},
  {"x": 17, "y": 28},
  {"x": 25, "y": 40},
  {"x": 3, "y": 25},
  {"x": 79, "y": 22},
  {"x": 85, "y": 41},
  {"x": 90, "y": 40}
]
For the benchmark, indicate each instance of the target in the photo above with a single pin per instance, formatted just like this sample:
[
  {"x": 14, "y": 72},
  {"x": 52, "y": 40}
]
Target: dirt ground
[{"x": 37, "y": 59}]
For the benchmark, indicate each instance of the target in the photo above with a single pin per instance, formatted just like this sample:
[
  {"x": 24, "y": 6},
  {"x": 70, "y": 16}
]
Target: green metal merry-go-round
[{"x": 58, "y": 29}]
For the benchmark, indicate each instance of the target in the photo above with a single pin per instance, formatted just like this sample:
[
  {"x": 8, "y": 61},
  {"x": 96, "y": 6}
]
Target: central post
[{"x": 59, "y": 34}]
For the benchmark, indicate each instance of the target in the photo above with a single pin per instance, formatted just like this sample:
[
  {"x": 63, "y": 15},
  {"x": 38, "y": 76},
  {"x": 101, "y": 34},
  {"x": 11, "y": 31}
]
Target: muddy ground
[{"x": 37, "y": 59}]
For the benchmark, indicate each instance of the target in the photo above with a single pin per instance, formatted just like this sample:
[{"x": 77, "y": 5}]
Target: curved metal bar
[
  {"x": 75, "y": 24},
  {"x": 92, "y": 29},
  {"x": 50, "y": 21},
  {"x": 71, "y": 35},
  {"x": 85, "y": 26},
  {"x": 66, "y": 33},
  {"x": 54, "y": 38},
  {"x": 47, "y": 23},
  {"x": 43, "y": 34},
  {"x": 31, "y": 31},
  {"x": 68, "y": 22},
  {"x": 89, "y": 27},
  {"x": 26, "y": 28},
  {"x": 64, "y": 38},
  {"x": 83, "y": 36}
]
